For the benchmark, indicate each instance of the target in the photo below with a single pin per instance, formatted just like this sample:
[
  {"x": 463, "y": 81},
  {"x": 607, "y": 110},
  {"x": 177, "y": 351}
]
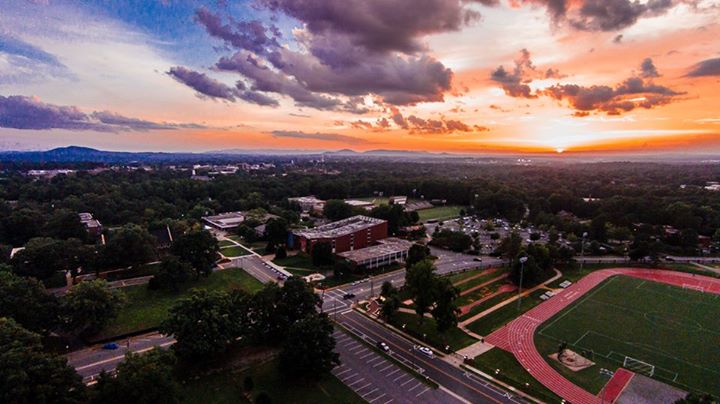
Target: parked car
[
  {"x": 111, "y": 346},
  {"x": 383, "y": 346},
  {"x": 348, "y": 296}
]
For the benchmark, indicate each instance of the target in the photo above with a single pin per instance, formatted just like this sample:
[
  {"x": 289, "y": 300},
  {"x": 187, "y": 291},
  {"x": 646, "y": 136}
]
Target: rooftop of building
[
  {"x": 225, "y": 220},
  {"x": 385, "y": 247},
  {"x": 339, "y": 228}
]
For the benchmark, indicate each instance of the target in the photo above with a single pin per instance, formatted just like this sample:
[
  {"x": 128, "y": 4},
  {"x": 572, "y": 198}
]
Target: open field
[
  {"x": 226, "y": 387},
  {"x": 675, "y": 330},
  {"x": 439, "y": 213},
  {"x": 146, "y": 308}
]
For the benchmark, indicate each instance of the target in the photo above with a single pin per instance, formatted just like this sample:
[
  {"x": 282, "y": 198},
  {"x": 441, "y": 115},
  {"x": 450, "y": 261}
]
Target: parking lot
[
  {"x": 261, "y": 270},
  {"x": 378, "y": 380}
]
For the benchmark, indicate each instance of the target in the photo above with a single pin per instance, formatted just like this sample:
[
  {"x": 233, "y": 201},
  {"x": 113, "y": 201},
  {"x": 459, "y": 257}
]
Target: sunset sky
[{"x": 468, "y": 76}]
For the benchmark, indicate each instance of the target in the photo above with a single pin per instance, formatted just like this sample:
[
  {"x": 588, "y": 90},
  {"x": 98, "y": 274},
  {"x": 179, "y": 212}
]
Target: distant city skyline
[{"x": 462, "y": 76}]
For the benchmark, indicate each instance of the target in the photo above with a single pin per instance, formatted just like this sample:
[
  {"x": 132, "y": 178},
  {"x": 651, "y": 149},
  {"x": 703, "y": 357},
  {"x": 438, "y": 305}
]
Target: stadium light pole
[
  {"x": 582, "y": 250},
  {"x": 522, "y": 271}
]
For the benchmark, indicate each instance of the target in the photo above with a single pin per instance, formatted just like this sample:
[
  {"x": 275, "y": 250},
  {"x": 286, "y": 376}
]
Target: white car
[{"x": 426, "y": 351}]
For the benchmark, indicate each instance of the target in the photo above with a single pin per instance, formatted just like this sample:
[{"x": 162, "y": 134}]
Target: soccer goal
[
  {"x": 638, "y": 366},
  {"x": 693, "y": 287}
]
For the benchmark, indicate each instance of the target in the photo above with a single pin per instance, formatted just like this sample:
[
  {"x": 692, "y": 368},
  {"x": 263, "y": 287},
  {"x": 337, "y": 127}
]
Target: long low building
[
  {"x": 225, "y": 221},
  {"x": 344, "y": 235},
  {"x": 386, "y": 252}
]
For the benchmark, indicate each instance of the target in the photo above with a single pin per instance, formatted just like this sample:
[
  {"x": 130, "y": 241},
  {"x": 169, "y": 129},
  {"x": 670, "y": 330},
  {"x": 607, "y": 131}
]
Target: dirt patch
[{"x": 572, "y": 360}]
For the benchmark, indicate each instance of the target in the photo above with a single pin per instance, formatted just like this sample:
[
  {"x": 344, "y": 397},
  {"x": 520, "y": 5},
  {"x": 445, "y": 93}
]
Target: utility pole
[
  {"x": 582, "y": 250},
  {"x": 522, "y": 271}
]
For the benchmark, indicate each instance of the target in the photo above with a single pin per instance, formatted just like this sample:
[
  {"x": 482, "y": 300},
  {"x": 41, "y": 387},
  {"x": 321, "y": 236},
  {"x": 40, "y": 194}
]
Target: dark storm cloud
[
  {"x": 709, "y": 67},
  {"x": 604, "y": 15},
  {"x": 379, "y": 25},
  {"x": 209, "y": 87},
  {"x": 20, "y": 112},
  {"x": 515, "y": 82},
  {"x": 347, "y": 50},
  {"x": 632, "y": 93},
  {"x": 648, "y": 69}
]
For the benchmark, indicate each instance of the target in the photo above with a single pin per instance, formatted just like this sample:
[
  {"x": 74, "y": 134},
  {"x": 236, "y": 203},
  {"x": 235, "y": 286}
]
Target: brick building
[{"x": 344, "y": 235}]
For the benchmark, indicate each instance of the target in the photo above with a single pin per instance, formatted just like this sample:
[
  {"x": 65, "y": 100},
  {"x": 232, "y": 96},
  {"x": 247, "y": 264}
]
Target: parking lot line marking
[
  {"x": 400, "y": 377},
  {"x": 354, "y": 347},
  {"x": 393, "y": 372},
  {"x": 388, "y": 401},
  {"x": 389, "y": 365},
  {"x": 377, "y": 358},
  {"x": 407, "y": 381},
  {"x": 377, "y": 398},
  {"x": 365, "y": 386},
  {"x": 351, "y": 377},
  {"x": 414, "y": 387},
  {"x": 367, "y": 354},
  {"x": 422, "y": 392},
  {"x": 369, "y": 393},
  {"x": 360, "y": 380},
  {"x": 343, "y": 372}
]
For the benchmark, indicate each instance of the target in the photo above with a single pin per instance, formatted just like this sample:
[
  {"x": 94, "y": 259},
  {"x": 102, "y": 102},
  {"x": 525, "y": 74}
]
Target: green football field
[{"x": 674, "y": 330}]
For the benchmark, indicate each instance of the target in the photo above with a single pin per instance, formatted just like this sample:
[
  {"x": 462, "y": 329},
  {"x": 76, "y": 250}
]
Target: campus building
[
  {"x": 225, "y": 221},
  {"x": 386, "y": 252},
  {"x": 309, "y": 203},
  {"x": 92, "y": 225},
  {"x": 348, "y": 234}
]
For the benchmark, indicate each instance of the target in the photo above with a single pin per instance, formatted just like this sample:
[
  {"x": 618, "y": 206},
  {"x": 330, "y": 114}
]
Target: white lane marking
[
  {"x": 367, "y": 354},
  {"x": 391, "y": 373},
  {"x": 423, "y": 392},
  {"x": 369, "y": 393}
]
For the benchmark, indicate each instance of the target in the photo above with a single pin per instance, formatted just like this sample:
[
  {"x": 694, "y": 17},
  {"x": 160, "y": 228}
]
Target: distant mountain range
[{"x": 78, "y": 154}]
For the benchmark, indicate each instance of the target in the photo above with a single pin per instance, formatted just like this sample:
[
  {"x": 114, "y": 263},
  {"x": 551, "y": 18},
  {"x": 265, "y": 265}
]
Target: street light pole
[
  {"x": 582, "y": 250},
  {"x": 522, "y": 272}
]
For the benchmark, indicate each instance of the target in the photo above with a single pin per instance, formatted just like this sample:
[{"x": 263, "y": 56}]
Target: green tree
[
  {"x": 510, "y": 246},
  {"x": 280, "y": 253},
  {"x": 336, "y": 209},
  {"x": 129, "y": 246},
  {"x": 199, "y": 248},
  {"x": 297, "y": 300},
  {"x": 276, "y": 231},
  {"x": 417, "y": 253},
  {"x": 262, "y": 320},
  {"x": 695, "y": 398},
  {"x": 65, "y": 224},
  {"x": 420, "y": 282},
  {"x": 445, "y": 311},
  {"x": 141, "y": 378},
  {"x": 171, "y": 274},
  {"x": 322, "y": 254},
  {"x": 43, "y": 257},
  {"x": 452, "y": 240},
  {"x": 309, "y": 348},
  {"x": 202, "y": 324},
  {"x": 27, "y": 302},
  {"x": 89, "y": 306},
  {"x": 391, "y": 300},
  {"x": 29, "y": 375}
]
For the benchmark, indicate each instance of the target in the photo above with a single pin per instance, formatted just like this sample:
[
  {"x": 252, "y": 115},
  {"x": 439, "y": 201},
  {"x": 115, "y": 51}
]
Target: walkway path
[
  {"x": 482, "y": 285},
  {"x": 517, "y": 336}
]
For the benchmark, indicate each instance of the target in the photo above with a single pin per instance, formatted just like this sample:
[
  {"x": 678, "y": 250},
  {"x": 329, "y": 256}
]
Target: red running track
[
  {"x": 616, "y": 385},
  {"x": 517, "y": 336}
]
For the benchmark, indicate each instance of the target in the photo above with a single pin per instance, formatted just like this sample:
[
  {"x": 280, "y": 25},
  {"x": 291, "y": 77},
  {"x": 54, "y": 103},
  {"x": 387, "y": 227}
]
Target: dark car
[
  {"x": 348, "y": 296},
  {"x": 111, "y": 346}
]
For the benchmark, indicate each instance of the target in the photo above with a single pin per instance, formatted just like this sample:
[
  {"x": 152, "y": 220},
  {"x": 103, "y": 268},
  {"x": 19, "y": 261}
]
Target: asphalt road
[
  {"x": 91, "y": 361},
  {"x": 461, "y": 383}
]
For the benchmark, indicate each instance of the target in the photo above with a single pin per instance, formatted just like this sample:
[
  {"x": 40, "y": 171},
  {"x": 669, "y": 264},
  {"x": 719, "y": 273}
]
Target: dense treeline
[{"x": 625, "y": 193}]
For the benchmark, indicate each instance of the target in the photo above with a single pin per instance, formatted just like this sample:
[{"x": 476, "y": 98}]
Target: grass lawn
[
  {"x": 235, "y": 251},
  {"x": 511, "y": 372},
  {"x": 439, "y": 213},
  {"x": 503, "y": 315},
  {"x": 226, "y": 387},
  {"x": 428, "y": 333},
  {"x": 479, "y": 280},
  {"x": 303, "y": 261},
  {"x": 235, "y": 237},
  {"x": 225, "y": 243},
  {"x": 487, "y": 304},
  {"x": 377, "y": 200},
  {"x": 478, "y": 294},
  {"x": 674, "y": 329},
  {"x": 146, "y": 308}
]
